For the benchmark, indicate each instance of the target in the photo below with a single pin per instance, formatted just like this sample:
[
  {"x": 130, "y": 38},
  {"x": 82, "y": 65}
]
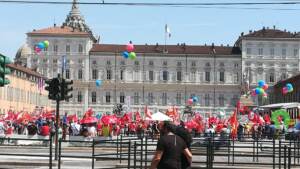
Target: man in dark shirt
[{"x": 169, "y": 150}]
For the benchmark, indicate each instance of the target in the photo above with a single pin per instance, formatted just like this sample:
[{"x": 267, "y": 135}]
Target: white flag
[{"x": 167, "y": 31}]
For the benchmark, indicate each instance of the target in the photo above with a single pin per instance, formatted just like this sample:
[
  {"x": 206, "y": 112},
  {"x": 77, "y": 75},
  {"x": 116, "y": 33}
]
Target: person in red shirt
[{"x": 45, "y": 130}]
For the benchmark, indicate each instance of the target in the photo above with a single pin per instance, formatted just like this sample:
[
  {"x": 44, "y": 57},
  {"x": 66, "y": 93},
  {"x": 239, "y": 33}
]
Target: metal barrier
[
  {"x": 10, "y": 143},
  {"x": 208, "y": 152},
  {"x": 278, "y": 154}
]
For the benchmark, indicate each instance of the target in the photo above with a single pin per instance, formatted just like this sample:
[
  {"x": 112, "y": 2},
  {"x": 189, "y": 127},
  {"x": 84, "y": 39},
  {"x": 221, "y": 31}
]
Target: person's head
[{"x": 166, "y": 127}]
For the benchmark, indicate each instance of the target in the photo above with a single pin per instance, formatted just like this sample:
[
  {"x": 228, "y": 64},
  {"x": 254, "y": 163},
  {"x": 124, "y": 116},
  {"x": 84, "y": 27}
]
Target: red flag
[
  {"x": 148, "y": 113},
  {"x": 234, "y": 125}
]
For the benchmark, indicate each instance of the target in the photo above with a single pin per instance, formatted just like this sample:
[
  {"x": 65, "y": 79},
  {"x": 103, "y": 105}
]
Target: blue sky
[{"x": 120, "y": 24}]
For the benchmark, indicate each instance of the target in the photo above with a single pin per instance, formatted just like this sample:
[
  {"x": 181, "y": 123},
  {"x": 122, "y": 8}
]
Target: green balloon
[
  {"x": 132, "y": 55},
  {"x": 46, "y": 43}
]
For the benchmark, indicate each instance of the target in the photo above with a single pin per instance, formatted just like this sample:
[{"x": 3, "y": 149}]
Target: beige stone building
[{"x": 25, "y": 91}]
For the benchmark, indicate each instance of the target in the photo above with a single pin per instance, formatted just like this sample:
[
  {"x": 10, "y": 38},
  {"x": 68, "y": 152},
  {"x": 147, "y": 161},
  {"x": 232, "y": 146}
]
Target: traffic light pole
[
  {"x": 57, "y": 124},
  {"x": 56, "y": 129}
]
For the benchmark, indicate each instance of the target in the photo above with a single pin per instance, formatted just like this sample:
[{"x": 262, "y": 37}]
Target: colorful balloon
[
  {"x": 41, "y": 45},
  {"x": 261, "y": 91},
  {"x": 37, "y": 49},
  {"x": 265, "y": 87},
  {"x": 132, "y": 55},
  {"x": 46, "y": 43},
  {"x": 98, "y": 83},
  {"x": 261, "y": 83},
  {"x": 190, "y": 101},
  {"x": 257, "y": 90},
  {"x": 129, "y": 47},
  {"x": 289, "y": 86},
  {"x": 125, "y": 54},
  {"x": 284, "y": 90},
  {"x": 195, "y": 99}
]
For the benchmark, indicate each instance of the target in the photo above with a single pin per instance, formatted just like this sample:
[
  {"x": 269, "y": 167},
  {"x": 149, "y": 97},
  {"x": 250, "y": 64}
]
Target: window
[
  {"x": 94, "y": 62},
  {"x": 296, "y": 52},
  {"x": 260, "y": 51},
  {"x": 108, "y": 62},
  {"x": 206, "y": 99},
  {"x": 68, "y": 49},
  {"x": 222, "y": 77},
  {"x": 193, "y": 76},
  {"x": 234, "y": 100},
  {"x": 45, "y": 60},
  {"x": 150, "y": 98},
  {"x": 80, "y": 74},
  {"x": 108, "y": 74},
  {"x": 79, "y": 96},
  {"x": 248, "y": 51},
  {"x": 136, "y": 63},
  {"x": 179, "y": 78},
  {"x": 122, "y": 63},
  {"x": 284, "y": 76},
  {"x": 151, "y": 75},
  {"x": 55, "y": 48},
  {"x": 178, "y": 98},
  {"x": 55, "y": 61},
  {"x": 164, "y": 98},
  {"x": 94, "y": 74},
  {"x": 271, "y": 78},
  {"x": 107, "y": 97},
  {"x": 272, "y": 52},
  {"x": 80, "y": 48},
  {"x": 179, "y": 64},
  {"x": 236, "y": 77},
  {"x": 207, "y": 76},
  {"x": 193, "y": 63},
  {"x": 151, "y": 63},
  {"x": 94, "y": 97},
  {"x": 165, "y": 63},
  {"x": 121, "y": 74},
  {"x": 221, "y": 100},
  {"x": 67, "y": 73},
  {"x": 283, "y": 53},
  {"x": 122, "y": 97},
  {"x": 136, "y": 98},
  {"x": 136, "y": 75},
  {"x": 236, "y": 65},
  {"x": 165, "y": 75}
]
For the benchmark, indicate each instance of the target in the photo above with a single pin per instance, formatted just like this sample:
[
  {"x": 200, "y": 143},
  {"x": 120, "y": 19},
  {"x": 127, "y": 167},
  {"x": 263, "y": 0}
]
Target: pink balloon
[
  {"x": 37, "y": 50},
  {"x": 265, "y": 87},
  {"x": 129, "y": 47},
  {"x": 190, "y": 101},
  {"x": 285, "y": 90}
]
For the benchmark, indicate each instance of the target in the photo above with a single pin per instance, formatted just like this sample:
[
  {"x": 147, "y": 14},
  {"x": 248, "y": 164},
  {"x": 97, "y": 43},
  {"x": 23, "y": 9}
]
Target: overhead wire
[
  {"x": 153, "y": 4},
  {"x": 214, "y": 5}
]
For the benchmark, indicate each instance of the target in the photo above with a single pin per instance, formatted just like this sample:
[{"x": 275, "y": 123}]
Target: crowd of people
[{"x": 110, "y": 125}]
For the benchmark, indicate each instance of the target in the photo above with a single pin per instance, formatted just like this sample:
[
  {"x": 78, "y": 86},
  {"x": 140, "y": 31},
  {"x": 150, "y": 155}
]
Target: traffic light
[
  {"x": 4, "y": 70},
  {"x": 66, "y": 88},
  {"x": 53, "y": 88}
]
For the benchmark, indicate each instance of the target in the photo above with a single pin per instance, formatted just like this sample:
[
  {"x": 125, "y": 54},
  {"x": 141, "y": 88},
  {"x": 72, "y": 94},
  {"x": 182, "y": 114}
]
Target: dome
[{"x": 23, "y": 51}]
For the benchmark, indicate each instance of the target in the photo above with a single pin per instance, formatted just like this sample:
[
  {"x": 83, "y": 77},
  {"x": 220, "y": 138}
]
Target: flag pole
[{"x": 165, "y": 47}]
